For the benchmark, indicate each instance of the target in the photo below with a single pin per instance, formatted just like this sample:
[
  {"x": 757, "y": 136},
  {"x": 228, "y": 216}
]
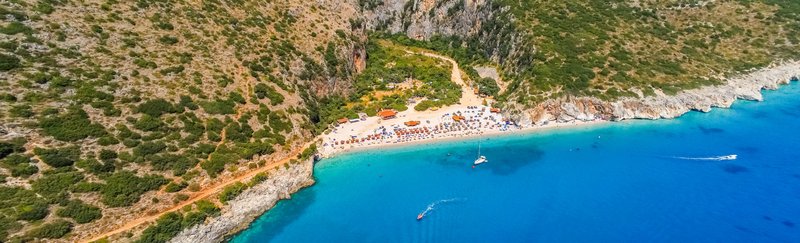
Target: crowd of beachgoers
[{"x": 454, "y": 122}]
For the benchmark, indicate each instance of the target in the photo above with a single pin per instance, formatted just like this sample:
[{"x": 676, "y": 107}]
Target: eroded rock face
[
  {"x": 747, "y": 87},
  {"x": 250, "y": 204}
]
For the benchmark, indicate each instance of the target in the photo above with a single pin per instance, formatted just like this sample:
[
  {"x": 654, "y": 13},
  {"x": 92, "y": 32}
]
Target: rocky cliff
[
  {"x": 251, "y": 203},
  {"x": 745, "y": 86},
  {"x": 468, "y": 24}
]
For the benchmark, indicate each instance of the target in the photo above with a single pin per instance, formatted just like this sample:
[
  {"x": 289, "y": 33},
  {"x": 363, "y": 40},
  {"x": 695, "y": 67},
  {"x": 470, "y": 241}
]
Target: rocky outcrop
[
  {"x": 477, "y": 25},
  {"x": 251, "y": 203},
  {"x": 747, "y": 86}
]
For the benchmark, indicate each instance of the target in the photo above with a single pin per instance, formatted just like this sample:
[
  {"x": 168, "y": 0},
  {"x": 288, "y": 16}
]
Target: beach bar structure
[
  {"x": 495, "y": 110},
  {"x": 387, "y": 114},
  {"x": 342, "y": 120},
  {"x": 412, "y": 123}
]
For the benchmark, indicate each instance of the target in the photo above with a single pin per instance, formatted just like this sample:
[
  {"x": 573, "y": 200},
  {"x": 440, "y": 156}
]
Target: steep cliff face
[
  {"x": 479, "y": 25},
  {"x": 251, "y": 203}
]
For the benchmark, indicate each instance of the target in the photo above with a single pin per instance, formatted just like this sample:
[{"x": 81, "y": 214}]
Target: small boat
[
  {"x": 419, "y": 216},
  {"x": 481, "y": 159}
]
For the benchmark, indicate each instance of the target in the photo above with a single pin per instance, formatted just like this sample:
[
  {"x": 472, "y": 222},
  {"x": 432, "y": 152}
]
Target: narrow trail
[
  {"x": 214, "y": 187},
  {"x": 468, "y": 96},
  {"x": 202, "y": 194}
]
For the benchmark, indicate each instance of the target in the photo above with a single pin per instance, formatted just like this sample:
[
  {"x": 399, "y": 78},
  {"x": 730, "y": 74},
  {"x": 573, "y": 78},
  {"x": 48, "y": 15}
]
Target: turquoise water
[{"x": 619, "y": 182}]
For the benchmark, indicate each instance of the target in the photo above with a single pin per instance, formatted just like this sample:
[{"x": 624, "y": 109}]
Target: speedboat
[{"x": 419, "y": 216}]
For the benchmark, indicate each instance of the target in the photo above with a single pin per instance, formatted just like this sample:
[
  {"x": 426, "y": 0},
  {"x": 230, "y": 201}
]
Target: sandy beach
[{"x": 435, "y": 126}]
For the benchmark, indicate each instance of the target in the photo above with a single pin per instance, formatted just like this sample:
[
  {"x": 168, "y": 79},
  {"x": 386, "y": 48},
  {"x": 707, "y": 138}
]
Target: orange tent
[
  {"x": 495, "y": 110},
  {"x": 412, "y": 123},
  {"x": 458, "y": 118},
  {"x": 387, "y": 114}
]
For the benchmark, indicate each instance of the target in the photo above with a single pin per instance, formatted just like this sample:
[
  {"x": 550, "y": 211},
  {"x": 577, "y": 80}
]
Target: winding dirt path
[
  {"x": 202, "y": 194},
  {"x": 213, "y": 188},
  {"x": 468, "y": 96}
]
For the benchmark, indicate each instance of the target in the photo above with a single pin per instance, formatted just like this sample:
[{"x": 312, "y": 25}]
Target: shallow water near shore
[{"x": 633, "y": 181}]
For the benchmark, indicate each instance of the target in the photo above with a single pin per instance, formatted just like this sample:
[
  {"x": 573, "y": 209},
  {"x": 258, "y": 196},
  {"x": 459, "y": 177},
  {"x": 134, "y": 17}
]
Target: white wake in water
[
  {"x": 433, "y": 205},
  {"x": 718, "y": 158}
]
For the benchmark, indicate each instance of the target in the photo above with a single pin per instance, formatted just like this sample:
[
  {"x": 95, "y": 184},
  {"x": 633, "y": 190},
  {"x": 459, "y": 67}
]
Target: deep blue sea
[{"x": 630, "y": 181}]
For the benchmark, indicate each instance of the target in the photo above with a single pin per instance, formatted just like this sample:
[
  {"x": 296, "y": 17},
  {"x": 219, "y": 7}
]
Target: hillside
[
  {"x": 112, "y": 111},
  {"x": 116, "y": 109},
  {"x": 604, "y": 49}
]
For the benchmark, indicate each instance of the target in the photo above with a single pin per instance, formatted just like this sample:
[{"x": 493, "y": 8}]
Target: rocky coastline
[
  {"x": 252, "y": 203},
  {"x": 745, "y": 86}
]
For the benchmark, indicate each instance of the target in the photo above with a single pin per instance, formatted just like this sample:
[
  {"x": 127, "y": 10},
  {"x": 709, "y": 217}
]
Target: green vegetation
[
  {"x": 58, "y": 157},
  {"x": 80, "y": 212},
  {"x": 72, "y": 126},
  {"x": 124, "y": 188},
  {"x": 170, "y": 224},
  {"x": 231, "y": 191},
  {"x": 53, "y": 230},
  {"x": 391, "y": 66}
]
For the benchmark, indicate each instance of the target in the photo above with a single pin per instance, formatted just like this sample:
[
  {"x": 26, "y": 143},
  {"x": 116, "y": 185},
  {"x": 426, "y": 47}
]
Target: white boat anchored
[{"x": 481, "y": 159}]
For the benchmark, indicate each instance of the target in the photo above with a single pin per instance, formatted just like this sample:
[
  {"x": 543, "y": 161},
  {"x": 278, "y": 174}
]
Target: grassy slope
[
  {"x": 178, "y": 92},
  {"x": 611, "y": 49}
]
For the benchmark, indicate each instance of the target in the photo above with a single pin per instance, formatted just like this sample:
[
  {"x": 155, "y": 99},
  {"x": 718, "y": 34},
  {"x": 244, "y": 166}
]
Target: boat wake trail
[
  {"x": 433, "y": 205},
  {"x": 718, "y": 158}
]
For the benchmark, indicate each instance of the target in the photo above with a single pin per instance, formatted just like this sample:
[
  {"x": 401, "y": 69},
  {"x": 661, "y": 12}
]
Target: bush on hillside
[
  {"x": 72, "y": 126},
  {"x": 53, "y": 230},
  {"x": 81, "y": 212},
  {"x": 125, "y": 188},
  {"x": 58, "y": 157}
]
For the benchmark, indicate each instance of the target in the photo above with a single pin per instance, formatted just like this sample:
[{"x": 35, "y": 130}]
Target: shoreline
[
  {"x": 465, "y": 137},
  {"x": 587, "y": 111},
  {"x": 569, "y": 114}
]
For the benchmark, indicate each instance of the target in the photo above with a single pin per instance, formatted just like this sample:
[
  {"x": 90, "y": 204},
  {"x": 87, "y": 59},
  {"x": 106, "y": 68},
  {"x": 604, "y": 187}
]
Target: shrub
[
  {"x": 24, "y": 170},
  {"x": 14, "y": 28},
  {"x": 53, "y": 230},
  {"x": 231, "y": 191},
  {"x": 166, "y": 227},
  {"x": 33, "y": 211},
  {"x": 72, "y": 126},
  {"x": 11, "y": 146},
  {"x": 95, "y": 167},
  {"x": 16, "y": 159},
  {"x": 221, "y": 107},
  {"x": 124, "y": 188},
  {"x": 24, "y": 111},
  {"x": 50, "y": 185},
  {"x": 157, "y": 107},
  {"x": 168, "y": 40},
  {"x": 217, "y": 162},
  {"x": 8, "y": 62},
  {"x": 265, "y": 91},
  {"x": 81, "y": 187},
  {"x": 148, "y": 123},
  {"x": 58, "y": 157},
  {"x": 149, "y": 148},
  {"x": 174, "y": 187},
  {"x": 106, "y": 154},
  {"x": 82, "y": 213}
]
